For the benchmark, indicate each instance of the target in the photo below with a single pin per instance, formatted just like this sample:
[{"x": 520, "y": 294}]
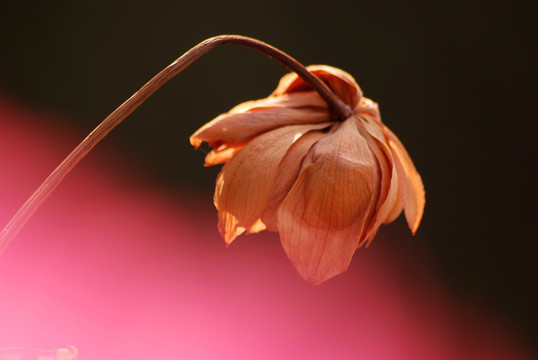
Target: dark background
[{"x": 454, "y": 80}]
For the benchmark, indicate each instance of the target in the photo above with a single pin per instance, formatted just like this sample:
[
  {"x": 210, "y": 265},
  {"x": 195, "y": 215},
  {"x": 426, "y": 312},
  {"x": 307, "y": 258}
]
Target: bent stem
[{"x": 335, "y": 105}]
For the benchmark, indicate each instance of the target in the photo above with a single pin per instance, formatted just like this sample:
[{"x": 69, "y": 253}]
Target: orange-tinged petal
[
  {"x": 288, "y": 170},
  {"x": 244, "y": 183},
  {"x": 398, "y": 205},
  {"x": 323, "y": 218},
  {"x": 223, "y": 153},
  {"x": 254, "y": 117},
  {"x": 339, "y": 81},
  {"x": 368, "y": 111},
  {"x": 256, "y": 227},
  {"x": 388, "y": 189},
  {"x": 295, "y": 100},
  {"x": 409, "y": 182},
  {"x": 318, "y": 254},
  {"x": 391, "y": 206},
  {"x": 385, "y": 211}
]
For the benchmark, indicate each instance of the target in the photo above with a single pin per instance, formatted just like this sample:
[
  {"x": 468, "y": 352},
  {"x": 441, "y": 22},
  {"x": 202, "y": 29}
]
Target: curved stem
[{"x": 336, "y": 106}]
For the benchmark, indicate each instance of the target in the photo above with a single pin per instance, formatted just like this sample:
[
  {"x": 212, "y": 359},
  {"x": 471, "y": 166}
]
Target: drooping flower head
[
  {"x": 324, "y": 185},
  {"x": 312, "y": 161}
]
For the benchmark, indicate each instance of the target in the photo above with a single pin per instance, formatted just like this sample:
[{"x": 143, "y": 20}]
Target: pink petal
[
  {"x": 323, "y": 218},
  {"x": 244, "y": 183}
]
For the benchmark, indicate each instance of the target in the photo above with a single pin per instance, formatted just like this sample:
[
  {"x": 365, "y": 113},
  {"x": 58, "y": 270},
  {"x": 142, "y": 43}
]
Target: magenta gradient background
[{"x": 123, "y": 270}]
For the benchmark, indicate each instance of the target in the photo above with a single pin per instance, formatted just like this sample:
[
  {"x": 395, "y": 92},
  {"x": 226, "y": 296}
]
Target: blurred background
[{"x": 455, "y": 80}]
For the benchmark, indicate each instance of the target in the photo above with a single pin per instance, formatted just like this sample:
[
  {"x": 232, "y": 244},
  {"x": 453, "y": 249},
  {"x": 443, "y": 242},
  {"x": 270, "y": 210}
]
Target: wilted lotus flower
[
  {"x": 324, "y": 176},
  {"x": 324, "y": 185}
]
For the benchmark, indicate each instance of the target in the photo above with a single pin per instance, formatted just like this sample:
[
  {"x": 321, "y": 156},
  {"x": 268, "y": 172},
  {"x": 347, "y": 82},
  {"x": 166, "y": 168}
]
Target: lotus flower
[{"x": 325, "y": 185}]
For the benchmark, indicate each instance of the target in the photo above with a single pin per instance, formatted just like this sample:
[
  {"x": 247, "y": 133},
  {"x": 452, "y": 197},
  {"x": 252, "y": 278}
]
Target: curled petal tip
[
  {"x": 195, "y": 140},
  {"x": 229, "y": 235}
]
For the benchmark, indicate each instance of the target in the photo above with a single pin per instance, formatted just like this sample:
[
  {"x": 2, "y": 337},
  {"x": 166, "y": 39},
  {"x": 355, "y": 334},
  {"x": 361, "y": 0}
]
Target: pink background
[{"x": 122, "y": 269}]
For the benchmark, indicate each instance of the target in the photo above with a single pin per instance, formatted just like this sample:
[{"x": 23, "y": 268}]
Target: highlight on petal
[
  {"x": 223, "y": 153},
  {"x": 323, "y": 218},
  {"x": 245, "y": 181},
  {"x": 339, "y": 81},
  {"x": 398, "y": 205},
  {"x": 293, "y": 100},
  {"x": 409, "y": 182}
]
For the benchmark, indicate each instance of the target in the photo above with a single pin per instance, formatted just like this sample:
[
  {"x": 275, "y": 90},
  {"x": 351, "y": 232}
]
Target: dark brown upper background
[{"x": 455, "y": 81}]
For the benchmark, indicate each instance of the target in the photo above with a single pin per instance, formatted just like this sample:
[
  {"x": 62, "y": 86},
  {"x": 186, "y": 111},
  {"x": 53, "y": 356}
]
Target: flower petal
[
  {"x": 296, "y": 100},
  {"x": 244, "y": 182},
  {"x": 388, "y": 193},
  {"x": 254, "y": 117},
  {"x": 398, "y": 205},
  {"x": 322, "y": 219},
  {"x": 223, "y": 153},
  {"x": 288, "y": 170},
  {"x": 339, "y": 81},
  {"x": 409, "y": 182}
]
